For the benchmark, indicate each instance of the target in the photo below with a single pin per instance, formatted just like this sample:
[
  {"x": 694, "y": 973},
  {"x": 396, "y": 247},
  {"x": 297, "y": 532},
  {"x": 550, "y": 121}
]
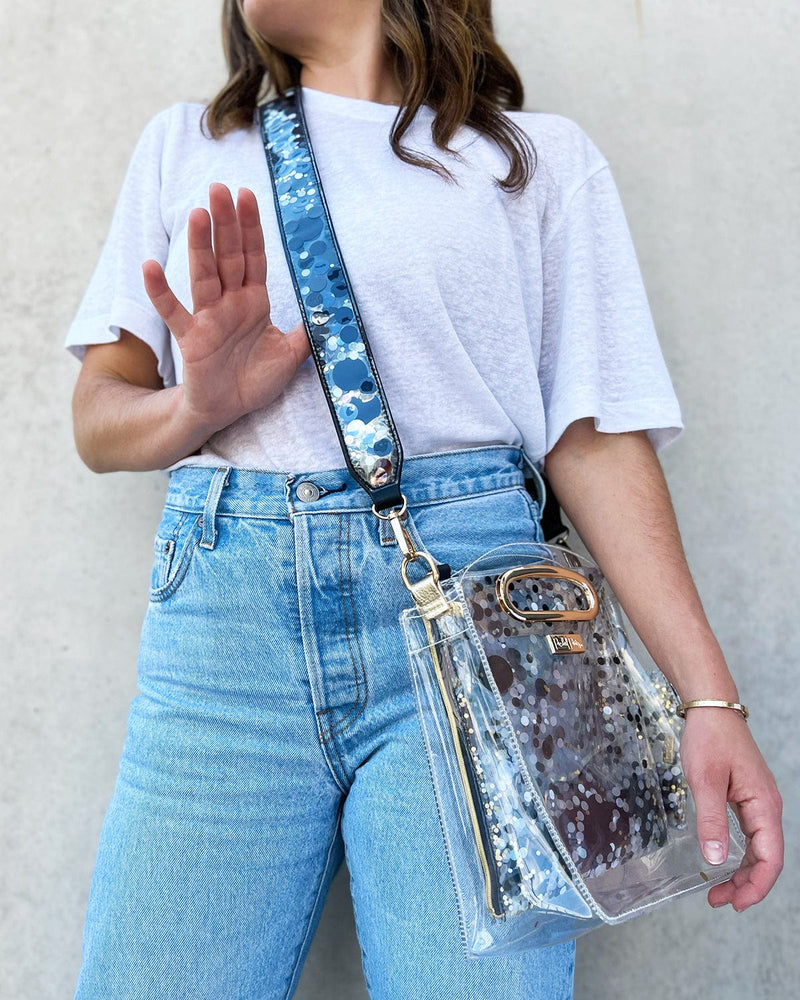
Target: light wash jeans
[{"x": 275, "y": 732}]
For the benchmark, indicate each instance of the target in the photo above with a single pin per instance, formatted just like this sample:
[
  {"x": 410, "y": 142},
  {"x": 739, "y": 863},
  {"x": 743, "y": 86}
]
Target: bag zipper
[{"x": 491, "y": 880}]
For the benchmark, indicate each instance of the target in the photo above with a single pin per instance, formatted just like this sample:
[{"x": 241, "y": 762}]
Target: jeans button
[{"x": 307, "y": 492}]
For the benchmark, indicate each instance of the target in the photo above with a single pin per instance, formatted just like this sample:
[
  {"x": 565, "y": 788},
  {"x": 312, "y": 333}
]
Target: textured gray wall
[{"x": 694, "y": 104}]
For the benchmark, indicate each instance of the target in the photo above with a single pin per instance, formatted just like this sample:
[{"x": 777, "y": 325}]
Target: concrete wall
[{"x": 694, "y": 104}]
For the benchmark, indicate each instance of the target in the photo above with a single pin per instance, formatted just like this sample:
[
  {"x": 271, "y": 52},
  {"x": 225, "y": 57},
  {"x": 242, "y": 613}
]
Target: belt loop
[
  {"x": 218, "y": 482},
  {"x": 541, "y": 490},
  {"x": 287, "y": 493}
]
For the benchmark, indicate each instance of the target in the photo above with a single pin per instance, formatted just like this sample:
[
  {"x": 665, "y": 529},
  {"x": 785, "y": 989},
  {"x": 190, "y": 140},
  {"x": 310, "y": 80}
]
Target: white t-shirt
[{"x": 493, "y": 318}]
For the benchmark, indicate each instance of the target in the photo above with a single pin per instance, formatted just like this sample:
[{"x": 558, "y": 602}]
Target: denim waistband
[{"x": 427, "y": 479}]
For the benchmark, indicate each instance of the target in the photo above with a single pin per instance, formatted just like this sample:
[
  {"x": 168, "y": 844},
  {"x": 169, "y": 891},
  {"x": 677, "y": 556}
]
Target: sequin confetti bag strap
[
  {"x": 552, "y": 751},
  {"x": 339, "y": 343}
]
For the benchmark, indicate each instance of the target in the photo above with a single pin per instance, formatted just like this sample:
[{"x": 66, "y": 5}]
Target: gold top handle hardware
[{"x": 542, "y": 571}]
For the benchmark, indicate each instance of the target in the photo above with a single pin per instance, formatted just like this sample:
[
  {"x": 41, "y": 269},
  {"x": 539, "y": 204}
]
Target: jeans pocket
[{"x": 176, "y": 540}]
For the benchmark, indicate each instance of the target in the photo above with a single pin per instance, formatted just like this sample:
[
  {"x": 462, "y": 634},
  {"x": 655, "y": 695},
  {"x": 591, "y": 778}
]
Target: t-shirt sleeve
[
  {"x": 600, "y": 355},
  {"x": 115, "y": 298}
]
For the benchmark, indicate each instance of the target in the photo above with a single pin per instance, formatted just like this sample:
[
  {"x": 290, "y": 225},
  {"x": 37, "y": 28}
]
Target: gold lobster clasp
[{"x": 427, "y": 592}]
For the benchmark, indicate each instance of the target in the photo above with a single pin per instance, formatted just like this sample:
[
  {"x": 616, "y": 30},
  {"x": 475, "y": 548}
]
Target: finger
[
  {"x": 751, "y": 887},
  {"x": 726, "y": 892},
  {"x": 720, "y": 895},
  {"x": 227, "y": 237},
  {"x": 710, "y": 792},
  {"x": 760, "y": 819},
  {"x": 203, "y": 276},
  {"x": 761, "y": 824},
  {"x": 163, "y": 298},
  {"x": 255, "y": 258}
]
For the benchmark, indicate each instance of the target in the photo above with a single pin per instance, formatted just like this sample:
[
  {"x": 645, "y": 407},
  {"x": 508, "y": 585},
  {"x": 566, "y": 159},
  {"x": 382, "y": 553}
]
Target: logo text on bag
[{"x": 569, "y": 643}]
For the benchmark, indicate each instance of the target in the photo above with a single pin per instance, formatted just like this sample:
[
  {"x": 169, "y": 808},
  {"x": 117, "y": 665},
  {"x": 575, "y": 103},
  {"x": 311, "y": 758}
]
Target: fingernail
[{"x": 714, "y": 851}]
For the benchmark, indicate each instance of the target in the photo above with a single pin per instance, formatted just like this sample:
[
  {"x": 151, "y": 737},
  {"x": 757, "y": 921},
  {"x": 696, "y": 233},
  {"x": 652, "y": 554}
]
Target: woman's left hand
[
  {"x": 612, "y": 488},
  {"x": 723, "y": 764}
]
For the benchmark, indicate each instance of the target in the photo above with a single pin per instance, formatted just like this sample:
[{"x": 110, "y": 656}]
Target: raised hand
[{"x": 234, "y": 359}]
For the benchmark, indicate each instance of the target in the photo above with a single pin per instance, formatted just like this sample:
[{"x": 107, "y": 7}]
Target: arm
[
  {"x": 234, "y": 359},
  {"x": 122, "y": 416},
  {"x": 613, "y": 490}
]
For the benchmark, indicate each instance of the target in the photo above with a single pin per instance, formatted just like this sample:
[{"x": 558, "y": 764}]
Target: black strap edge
[{"x": 390, "y": 494}]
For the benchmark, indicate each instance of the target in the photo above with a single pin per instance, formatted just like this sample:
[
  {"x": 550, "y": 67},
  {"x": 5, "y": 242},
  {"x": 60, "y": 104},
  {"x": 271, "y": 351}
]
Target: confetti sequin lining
[{"x": 574, "y": 760}]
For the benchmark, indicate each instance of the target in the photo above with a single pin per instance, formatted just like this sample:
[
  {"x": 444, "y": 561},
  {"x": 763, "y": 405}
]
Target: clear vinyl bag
[{"x": 554, "y": 754}]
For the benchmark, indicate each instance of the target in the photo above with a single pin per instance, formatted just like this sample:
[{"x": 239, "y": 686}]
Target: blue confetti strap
[{"x": 339, "y": 344}]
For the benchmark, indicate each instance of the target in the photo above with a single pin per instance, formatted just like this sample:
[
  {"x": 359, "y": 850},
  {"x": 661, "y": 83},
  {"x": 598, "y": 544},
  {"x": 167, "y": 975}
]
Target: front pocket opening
[
  {"x": 173, "y": 554},
  {"x": 168, "y": 552}
]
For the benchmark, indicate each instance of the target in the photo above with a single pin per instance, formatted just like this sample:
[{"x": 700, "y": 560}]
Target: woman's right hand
[{"x": 234, "y": 359}]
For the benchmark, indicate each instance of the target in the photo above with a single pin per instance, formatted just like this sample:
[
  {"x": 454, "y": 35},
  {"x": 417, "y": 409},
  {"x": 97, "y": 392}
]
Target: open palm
[{"x": 234, "y": 359}]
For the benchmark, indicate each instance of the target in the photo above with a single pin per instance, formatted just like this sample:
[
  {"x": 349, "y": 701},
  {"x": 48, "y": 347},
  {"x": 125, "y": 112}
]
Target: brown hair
[{"x": 444, "y": 55}]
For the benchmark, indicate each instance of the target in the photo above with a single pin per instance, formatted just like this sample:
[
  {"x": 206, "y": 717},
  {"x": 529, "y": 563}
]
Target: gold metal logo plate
[{"x": 567, "y": 643}]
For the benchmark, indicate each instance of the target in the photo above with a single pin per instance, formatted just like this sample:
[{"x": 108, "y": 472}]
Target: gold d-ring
[{"x": 542, "y": 571}]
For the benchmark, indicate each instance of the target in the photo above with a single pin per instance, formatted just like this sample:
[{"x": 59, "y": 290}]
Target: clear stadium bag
[{"x": 553, "y": 753}]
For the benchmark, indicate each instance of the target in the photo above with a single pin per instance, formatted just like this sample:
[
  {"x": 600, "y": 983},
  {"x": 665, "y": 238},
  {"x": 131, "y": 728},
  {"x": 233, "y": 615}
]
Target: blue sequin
[{"x": 340, "y": 351}]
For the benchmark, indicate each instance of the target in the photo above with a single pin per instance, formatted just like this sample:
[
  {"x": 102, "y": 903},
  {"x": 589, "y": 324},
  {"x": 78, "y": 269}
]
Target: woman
[{"x": 275, "y": 729}]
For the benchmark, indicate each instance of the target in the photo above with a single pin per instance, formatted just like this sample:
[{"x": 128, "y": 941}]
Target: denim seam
[
  {"x": 287, "y": 515},
  {"x": 181, "y": 568},
  {"x": 344, "y": 723},
  {"x": 166, "y": 567},
  {"x": 451, "y": 497},
  {"x": 360, "y": 936},
  {"x": 342, "y": 779},
  {"x": 357, "y": 706},
  {"x": 178, "y": 525},
  {"x": 314, "y": 676},
  {"x": 331, "y": 730},
  {"x": 291, "y": 985},
  {"x": 418, "y": 504},
  {"x": 360, "y": 665},
  {"x": 533, "y": 507}
]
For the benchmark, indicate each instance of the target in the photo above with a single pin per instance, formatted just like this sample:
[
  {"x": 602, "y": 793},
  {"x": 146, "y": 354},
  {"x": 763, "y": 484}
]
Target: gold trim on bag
[
  {"x": 542, "y": 571},
  {"x": 454, "y": 731}
]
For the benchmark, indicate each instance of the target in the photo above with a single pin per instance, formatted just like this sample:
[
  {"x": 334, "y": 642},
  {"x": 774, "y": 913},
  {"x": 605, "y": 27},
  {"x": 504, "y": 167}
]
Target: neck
[
  {"x": 352, "y": 63},
  {"x": 352, "y": 81}
]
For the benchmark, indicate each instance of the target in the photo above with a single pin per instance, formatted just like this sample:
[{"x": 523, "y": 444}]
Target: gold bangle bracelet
[{"x": 712, "y": 703}]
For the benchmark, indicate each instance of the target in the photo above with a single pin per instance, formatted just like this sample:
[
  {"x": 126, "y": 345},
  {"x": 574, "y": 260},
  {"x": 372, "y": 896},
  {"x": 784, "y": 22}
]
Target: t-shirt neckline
[{"x": 353, "y": 107}]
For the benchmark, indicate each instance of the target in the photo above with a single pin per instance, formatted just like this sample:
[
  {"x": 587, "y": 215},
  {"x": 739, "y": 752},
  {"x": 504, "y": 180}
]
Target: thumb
[
  {"x": 297, "y": 340},
  {"x": 710, "y": 791}
]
